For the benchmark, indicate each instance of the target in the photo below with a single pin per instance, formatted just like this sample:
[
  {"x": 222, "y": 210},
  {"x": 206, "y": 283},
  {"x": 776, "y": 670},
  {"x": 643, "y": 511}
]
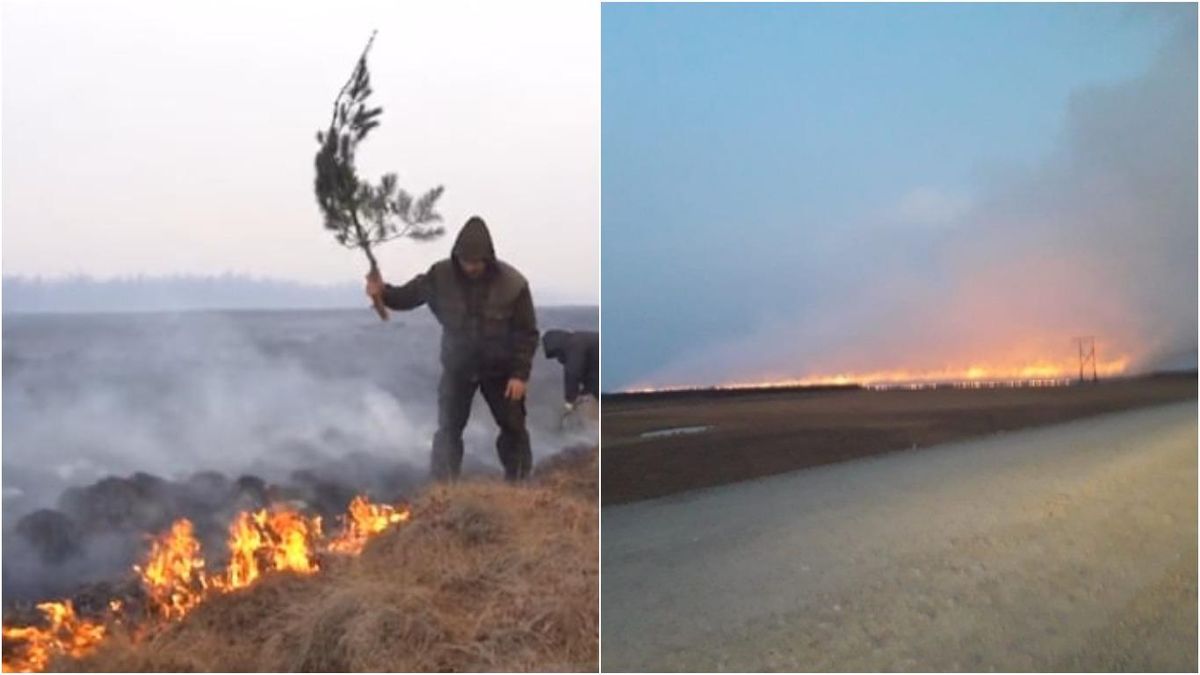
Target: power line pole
[{"x": 1087, "y": 354}]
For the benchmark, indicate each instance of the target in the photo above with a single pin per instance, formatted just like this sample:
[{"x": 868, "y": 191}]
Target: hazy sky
[
  {"x": 792, "y": 190},
  {"x": 178, "y": 137}
]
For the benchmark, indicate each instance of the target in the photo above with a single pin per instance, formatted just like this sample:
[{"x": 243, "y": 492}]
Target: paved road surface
[{"x": 1063, "y": 548}]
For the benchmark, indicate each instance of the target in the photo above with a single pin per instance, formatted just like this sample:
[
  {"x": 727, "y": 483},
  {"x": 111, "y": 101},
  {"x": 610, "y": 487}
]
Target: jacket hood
[
  {"x": 554, "y": 343},
  {"x": 474, "y": 241}
]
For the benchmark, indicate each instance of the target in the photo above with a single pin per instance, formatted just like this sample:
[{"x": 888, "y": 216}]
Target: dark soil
[{"x": 760, "y": 433}]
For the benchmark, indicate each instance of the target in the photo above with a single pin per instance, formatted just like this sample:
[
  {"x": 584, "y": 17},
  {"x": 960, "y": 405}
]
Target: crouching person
[{"x": 579, "y": 354}]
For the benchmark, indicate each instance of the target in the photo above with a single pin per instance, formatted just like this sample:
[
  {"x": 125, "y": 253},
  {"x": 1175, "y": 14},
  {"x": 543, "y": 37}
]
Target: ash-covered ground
[{"x": 116, "y": 424}]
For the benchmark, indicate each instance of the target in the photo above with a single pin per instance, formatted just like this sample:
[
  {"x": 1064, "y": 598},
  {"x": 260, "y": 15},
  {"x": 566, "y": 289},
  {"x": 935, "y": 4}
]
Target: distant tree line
[{"x": 82, "y": 293}]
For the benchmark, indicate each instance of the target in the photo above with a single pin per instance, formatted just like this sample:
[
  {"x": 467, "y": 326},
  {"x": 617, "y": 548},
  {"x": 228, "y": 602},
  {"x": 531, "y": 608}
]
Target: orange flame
[
  {"x": 245, "y": 540},
  {"x": 174, "y": 571},
  {"x": 292, "y": 540},
  {"x": 66, "y": 634},
  {"x": 176, "y": 582},
  {"x": 1035, "y": 373},
  {"x": 364, "y": 521},
  {"x": 283, "y": 540}
]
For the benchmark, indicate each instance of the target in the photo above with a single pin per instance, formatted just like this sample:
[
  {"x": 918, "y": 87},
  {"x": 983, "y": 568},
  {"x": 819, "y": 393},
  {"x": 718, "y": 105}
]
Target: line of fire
[
  {"x": 175, "y": 578},
  {"x": 1059, "y": 372}
]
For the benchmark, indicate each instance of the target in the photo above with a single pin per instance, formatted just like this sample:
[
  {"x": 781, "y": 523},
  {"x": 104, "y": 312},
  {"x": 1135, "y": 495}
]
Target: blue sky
[{"x": 763, "y": 163}]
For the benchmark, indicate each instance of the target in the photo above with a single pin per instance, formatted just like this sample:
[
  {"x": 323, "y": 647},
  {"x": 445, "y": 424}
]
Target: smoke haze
[
  {"x": 1097, "y": 237},
  {"x": 123, "y": 422}
]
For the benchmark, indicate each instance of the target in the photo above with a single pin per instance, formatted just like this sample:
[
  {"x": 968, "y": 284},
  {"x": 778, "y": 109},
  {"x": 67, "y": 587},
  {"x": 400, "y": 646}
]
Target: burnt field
[
  {"x": 116, "y": 425},
  {"x": 729, "y": 437}
]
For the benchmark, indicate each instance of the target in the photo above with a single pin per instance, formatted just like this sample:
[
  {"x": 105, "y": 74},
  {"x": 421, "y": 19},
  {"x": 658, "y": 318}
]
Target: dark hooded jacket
[
  {"x": 579, "y": 352},
  {"x": 488, "y": 325}
]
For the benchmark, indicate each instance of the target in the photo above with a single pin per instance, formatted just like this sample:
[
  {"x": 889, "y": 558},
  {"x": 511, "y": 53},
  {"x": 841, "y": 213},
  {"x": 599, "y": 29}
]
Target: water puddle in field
[{"x": 674, "y": 431}]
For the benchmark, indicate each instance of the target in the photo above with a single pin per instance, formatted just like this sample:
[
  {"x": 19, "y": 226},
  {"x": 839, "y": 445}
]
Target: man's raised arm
[{"x": 409, "y": 296}]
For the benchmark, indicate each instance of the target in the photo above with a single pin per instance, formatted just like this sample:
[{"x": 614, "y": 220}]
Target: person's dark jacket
[
  {"x": 579, "y": 352},
  {"x": 488, "y": 325}
]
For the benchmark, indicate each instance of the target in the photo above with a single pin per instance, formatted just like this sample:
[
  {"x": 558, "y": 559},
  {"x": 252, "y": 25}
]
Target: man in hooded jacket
[
  {"x": 579, "y": 354},
  {"x": 489, "y": 336}
]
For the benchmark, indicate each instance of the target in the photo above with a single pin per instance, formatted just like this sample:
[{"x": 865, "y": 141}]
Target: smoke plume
[
  {"x": 1098, "y": 238},
  {"x": 117, "y": 424}
]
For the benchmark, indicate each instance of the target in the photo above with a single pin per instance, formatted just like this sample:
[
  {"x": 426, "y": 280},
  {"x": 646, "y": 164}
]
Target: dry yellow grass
[{"x": 485, "y": 577}]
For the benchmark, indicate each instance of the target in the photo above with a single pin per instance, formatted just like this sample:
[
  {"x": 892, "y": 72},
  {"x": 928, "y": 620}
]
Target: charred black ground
[{"x": 758, "y": 433}]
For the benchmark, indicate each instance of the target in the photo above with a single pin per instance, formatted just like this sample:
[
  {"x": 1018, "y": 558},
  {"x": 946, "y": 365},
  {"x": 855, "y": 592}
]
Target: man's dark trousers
[{"x": 456, "y": 391}]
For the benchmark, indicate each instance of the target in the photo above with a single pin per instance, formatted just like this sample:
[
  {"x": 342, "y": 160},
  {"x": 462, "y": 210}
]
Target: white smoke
[{"x": 1098, "y": 238}]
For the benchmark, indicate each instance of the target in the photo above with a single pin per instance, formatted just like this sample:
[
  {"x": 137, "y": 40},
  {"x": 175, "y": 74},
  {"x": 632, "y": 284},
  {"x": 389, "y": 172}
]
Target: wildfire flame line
[
  {"x": 65, "y": 634},
  {"x": 281, "y": 539},
  {"x": 366, "y": 520},
  {"x": 1034, "y": 374}
]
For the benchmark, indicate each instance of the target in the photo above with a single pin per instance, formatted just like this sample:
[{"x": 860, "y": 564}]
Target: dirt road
[{"x": 1070, "y": 547}]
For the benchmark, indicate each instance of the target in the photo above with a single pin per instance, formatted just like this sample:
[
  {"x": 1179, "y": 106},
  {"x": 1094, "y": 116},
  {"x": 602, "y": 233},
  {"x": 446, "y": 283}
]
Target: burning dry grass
[{"x": 483, "y": 577}]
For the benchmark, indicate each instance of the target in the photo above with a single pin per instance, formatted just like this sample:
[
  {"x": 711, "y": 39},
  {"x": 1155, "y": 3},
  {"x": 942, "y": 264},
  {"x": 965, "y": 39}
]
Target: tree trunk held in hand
[
  {"x": 376, "y": 300},
  {"x": 359, "y": 213}
]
